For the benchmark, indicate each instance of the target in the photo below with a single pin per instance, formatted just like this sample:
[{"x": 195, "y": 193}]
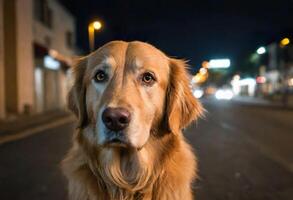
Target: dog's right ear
[
  {"x": 181, "y": 106},
  {"x": 77, "y": 94}
]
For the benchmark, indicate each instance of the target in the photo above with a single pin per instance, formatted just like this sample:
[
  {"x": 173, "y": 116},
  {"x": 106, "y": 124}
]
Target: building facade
[
  {"x": 2, "y": 98},
  {"x": 36, "y": 47},
  {"x": 278, "y": 70}
]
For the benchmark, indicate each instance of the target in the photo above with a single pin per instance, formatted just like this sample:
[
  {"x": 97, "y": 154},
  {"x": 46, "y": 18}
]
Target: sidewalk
[
  {"x": 254, "y": 101},
  {"x": 257, "y": 101},
  {"x": 24, "y": 122}
]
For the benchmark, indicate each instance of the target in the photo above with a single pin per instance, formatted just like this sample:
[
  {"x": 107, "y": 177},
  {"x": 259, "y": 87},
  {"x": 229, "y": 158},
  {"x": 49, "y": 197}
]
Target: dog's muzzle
[{"x": 116, "y": 121}]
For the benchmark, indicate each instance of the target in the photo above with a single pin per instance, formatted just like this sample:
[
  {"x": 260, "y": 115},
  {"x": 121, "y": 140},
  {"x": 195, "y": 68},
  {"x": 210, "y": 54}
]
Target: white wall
[{"x": 2, "y": 86}]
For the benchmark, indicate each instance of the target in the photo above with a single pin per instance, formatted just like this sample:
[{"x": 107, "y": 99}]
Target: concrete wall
[
  {"x": 63, "y": 21},
  {"x": 63, "y": 88},
  {"x": 66, "y": 23},
  {"x": 21, "y": 30},
  {"x": 25, "y": 65},
  {"x": 2, "y": 98},
  {"x": 10, "y": 56},
  {"x": 18, "y": 56},
  {"x": 52, "y": 89}
]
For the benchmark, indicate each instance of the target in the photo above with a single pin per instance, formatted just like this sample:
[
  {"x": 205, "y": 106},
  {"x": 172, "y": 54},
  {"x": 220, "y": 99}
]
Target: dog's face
[{"x": 124, "y": 92}]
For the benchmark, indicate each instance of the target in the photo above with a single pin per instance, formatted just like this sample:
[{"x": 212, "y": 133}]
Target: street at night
[
  {"x": 128, "y": 76},
  {"x": 244, "y": 153}
]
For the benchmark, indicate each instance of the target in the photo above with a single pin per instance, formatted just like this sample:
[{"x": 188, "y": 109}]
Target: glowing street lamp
[
  {"x": 261, "y": 50},
  {"x": 96, "y": 25},
  {"x": 285, "y": 42}
]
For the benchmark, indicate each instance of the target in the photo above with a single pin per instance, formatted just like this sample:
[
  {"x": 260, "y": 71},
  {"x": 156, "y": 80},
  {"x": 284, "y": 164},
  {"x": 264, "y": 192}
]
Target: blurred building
[
  {"x": 36, "y": 46},
  {"x": 277, "y": 72},
  {"x": 2, "y": 98}
]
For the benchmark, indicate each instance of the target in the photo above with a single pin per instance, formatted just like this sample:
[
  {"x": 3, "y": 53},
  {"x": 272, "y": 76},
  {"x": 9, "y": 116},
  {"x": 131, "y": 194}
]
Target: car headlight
[
  {"x": 226, "y": 94},
  {"x": 198, "y": 93}
]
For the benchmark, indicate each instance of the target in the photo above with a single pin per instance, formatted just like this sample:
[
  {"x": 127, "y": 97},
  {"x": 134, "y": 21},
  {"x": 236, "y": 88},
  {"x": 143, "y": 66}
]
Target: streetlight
[
  {"x": 96, "y": 25},
  {"x": 285, "y": 42},
  {"x": 261, "y": 50}
]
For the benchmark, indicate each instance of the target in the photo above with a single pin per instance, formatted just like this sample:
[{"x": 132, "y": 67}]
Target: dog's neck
[
  {"x": 128, "y": 171},
  {"x": 129, "y": 174}
]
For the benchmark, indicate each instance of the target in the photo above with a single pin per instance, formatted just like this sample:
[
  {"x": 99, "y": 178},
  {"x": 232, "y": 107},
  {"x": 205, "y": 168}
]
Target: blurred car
[{"x": 224, "y": 94}]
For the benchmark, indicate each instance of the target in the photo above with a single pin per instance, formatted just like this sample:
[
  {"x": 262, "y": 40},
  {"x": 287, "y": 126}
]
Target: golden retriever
[{"x": 131, "y": 101}]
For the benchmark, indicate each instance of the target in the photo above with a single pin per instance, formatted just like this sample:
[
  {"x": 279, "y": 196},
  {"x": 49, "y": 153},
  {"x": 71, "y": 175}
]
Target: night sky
[{"x": 194, "y": 30}]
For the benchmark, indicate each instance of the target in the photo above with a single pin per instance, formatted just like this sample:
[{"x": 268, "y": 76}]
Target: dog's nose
[{"x": 116, "y": 119}]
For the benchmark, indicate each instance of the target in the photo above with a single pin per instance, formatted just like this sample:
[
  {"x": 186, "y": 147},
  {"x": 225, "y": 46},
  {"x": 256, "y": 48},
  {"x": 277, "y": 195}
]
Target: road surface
[{"x": 244, "y": 152}]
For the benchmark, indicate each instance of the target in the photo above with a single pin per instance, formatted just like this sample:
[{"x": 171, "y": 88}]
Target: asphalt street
[{"x": 245, "y": 153}]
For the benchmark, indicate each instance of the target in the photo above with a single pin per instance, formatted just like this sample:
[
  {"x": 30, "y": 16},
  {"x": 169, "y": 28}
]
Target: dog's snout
[{"x": 116, "y": 119}]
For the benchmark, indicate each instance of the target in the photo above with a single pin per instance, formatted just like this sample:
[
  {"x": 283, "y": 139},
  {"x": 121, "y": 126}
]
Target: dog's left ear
[
  {"x": 181, "y": 106},
  {"x": 77, "y": 94}
]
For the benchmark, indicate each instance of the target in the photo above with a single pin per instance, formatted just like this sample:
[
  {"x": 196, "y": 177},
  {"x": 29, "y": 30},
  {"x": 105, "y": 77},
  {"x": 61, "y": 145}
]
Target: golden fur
[{"x": 160, "y": 165}]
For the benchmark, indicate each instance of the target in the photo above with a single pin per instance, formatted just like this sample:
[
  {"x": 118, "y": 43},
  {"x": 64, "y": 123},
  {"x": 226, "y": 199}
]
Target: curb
[{"x": 35, "y": 130}]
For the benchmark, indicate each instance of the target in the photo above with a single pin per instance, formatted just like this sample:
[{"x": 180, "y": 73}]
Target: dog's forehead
[
  {"x": 141, "y": 54},
  {"x": 109, "y": 53},
  {"x": 129, "y": 54}
]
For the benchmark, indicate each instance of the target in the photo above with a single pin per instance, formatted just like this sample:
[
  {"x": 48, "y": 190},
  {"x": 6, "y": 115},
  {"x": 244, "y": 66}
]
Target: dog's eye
[
  {"x": 148, "y": 78},
  {"x": 100, "y": 76}
]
